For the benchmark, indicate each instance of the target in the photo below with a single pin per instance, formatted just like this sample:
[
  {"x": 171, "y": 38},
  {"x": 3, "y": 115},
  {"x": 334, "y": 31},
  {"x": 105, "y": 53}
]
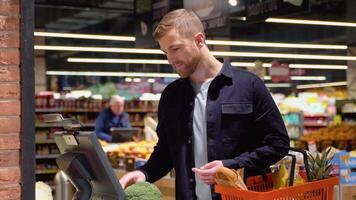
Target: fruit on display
[
  {"x": 341, "y": 136},
  {"x": 342, "y": 131},
  {"x": 142, "y": 149}
]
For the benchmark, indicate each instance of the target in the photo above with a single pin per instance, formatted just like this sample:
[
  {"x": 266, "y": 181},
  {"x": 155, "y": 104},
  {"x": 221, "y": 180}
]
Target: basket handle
[
  {"x": 305, "y": 159},
  {"x": 292, "y": 169}
]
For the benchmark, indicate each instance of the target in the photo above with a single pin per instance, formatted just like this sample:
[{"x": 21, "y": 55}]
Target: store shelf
[
  {"x": 47, "y": 156},
  {"x": 138, "y": 110},
  {"x": 61, "y": 110},
  {"x": 46, "y": 142},
  {"x": 351, "y": 111},
  {"x": 314, "y": 124},
  {"x": 47, "y": 171},
  {"x": 58, "y": 125},
  {"x": 141, "y": 124},
  {"x": 316, "y": 115}
]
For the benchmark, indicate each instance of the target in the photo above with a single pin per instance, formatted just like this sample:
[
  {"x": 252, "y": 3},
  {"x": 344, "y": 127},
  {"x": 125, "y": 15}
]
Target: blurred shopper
[
  {"x": 112, "y": 117},
  {"x": 212, "y": 116}
]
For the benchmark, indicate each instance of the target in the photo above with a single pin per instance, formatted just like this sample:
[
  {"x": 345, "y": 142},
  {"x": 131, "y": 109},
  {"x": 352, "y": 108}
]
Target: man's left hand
[{"x": 206, "y": 173}]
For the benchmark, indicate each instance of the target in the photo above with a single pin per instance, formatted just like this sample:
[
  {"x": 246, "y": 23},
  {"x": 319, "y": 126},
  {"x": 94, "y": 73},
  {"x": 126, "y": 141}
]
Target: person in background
[
  {"x": 112, "y": 117},
  {"x": 212, "y": 116}
]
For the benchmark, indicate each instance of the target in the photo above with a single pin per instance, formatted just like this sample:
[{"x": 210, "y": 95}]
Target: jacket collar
[{"x": 226, "y": 69}]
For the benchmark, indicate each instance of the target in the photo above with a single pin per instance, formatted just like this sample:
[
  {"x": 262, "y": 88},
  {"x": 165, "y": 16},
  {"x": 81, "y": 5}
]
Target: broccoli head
[{"x": 142, "y": 191}]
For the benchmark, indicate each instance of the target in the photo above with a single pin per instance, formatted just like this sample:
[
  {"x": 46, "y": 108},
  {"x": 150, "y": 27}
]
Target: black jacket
[{"x": 244, "y": 129}]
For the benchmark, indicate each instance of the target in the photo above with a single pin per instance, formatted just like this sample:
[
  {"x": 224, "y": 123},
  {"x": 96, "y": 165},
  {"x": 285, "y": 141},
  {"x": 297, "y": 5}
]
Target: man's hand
[
  {"x": 207, "y": 172},
  {"x": 131, "y": 178}
]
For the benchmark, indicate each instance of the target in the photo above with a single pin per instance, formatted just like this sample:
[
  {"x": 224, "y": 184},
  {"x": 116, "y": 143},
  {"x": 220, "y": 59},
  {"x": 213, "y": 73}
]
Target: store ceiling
[{"x": 116, "y": 17}]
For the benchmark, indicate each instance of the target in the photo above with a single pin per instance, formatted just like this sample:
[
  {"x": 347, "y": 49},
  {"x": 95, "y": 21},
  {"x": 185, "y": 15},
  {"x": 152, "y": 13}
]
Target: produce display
[
  {"x": 341, "y": 136},
  {"x": 142, "y": 191},
  {"x": 135, "y": 150}
]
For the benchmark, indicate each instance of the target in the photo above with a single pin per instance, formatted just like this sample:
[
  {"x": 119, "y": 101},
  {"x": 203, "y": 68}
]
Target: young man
[
  {"x": 212, "y": 116},
  {"x": 111, "y": 117}
]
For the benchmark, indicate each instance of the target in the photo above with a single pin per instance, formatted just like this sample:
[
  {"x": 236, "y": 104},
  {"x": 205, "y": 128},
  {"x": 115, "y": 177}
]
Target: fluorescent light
[
  {"x": 126, "y": 61},
  {"x": 128, "y": 79},
  {"x": 151, "y": 80},
  {"x": 296, "y": 66},
  {"x": 308, "y": 86},
  {"x": 235, "y": 64},
  {"x": 274, "y": 44},
  {"x": 308, "y": 78},
  {"x": 136, "y": 80},
  {"x": 98, "y": 49},
  {"x": 278, "y": 85},
  {"x": 210, "y": 42},
  {"x": 121, "y": 74},
  {"x": 311, "y": 22},
  {"x": 85, "y": 36},
  {"x": 302, "y": 78},
  {"x": 215, "y": 53},
  {"x": 281, "y": 55},
  {"x": 233, "y": 2},
  {"x": 314, "y": 66},
  {"x": 153, "y": 75}
]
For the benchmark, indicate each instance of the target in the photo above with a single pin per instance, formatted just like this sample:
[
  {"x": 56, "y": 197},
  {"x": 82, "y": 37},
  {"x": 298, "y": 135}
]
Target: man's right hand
[{"x": 131, "y": 178}]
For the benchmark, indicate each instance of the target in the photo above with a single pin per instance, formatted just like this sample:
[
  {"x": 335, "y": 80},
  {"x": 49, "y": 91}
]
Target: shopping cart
[{"x": 261, "y": 187}]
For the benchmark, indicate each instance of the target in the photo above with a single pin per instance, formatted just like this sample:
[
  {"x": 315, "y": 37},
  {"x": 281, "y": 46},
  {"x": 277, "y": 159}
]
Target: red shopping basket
[{"x": 259, "y": 189}]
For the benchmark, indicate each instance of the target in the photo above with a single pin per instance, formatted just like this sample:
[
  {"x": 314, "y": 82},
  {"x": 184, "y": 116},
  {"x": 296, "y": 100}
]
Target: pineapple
[{"x": 320, "y": 165}]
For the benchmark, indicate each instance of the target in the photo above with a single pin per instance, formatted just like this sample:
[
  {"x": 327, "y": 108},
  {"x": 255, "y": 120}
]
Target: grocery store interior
[{"x": 88, "y": 50}]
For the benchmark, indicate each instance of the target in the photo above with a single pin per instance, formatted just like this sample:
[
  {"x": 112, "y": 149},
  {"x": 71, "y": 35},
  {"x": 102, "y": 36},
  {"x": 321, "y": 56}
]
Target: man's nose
[{"x": 169, "y": 58}]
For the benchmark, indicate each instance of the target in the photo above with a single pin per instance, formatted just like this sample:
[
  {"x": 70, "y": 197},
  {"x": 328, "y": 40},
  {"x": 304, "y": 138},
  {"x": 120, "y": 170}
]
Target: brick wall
[{"x": 10, "y": 107}]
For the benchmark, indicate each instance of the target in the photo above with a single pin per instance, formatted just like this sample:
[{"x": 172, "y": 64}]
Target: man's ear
[{"x": 199, "y": 39}]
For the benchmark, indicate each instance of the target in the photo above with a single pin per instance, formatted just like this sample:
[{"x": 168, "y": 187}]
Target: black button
[
  {"x": 191, "y": 180},
  {"x": 189, "y": 140}
]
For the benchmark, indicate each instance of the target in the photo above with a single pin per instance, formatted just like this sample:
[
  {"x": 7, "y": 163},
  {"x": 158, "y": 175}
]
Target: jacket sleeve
[
  {"x": 160, "y": 163},
  {"x": 125, "y": 121},
  {"x": 99, "y": 128},
  {"x": 270, "y": 128}
]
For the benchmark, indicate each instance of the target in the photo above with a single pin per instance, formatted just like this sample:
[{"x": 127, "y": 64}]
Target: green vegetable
[{"x": 142, "y": 191}]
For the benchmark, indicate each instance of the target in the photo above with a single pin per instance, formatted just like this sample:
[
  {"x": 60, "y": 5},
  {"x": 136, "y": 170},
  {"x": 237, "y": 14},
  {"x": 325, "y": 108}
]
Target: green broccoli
[{"x": 142, "y": 191}]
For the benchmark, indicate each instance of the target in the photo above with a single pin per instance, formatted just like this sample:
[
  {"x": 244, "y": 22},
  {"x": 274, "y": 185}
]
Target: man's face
[
  {"x": 182, "y": 53},
  {"x": 117, "y": 108}
]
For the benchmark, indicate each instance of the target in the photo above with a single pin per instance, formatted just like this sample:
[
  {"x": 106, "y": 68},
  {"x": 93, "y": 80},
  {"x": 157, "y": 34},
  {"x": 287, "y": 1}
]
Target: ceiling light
[
  {"x": 311, "y": 22},
  {"x": 210, "y": 42},
  {"x": 295, "y": 66},
  {"x": 136, "y": 80},
  {"x": 281, "y": 55},
  {"x": 233, "y": 2},
  {"x": 126, "y": 61},
  {"x": 98, "y": 49},
  {"x": 85, "y": 36},
  {"x": 120, "y": 74},
  {"x": 151, "y": 80},
  {"x": 235, "y": 64},
  {"x": 309, "y": 86},
  {"x": 302, "y": 78},
  {"x": 275, "y": 44},
  {"x": 215, "y": 53},
  {"x": 278, "y": 85}
]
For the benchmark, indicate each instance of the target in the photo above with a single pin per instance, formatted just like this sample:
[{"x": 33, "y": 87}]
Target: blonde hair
[{"x": 187, "y": 23}]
